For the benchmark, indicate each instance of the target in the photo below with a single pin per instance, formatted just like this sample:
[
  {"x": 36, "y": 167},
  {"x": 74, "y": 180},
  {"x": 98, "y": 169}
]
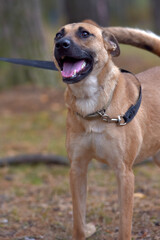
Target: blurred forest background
[{"x": 27, "y": 29}]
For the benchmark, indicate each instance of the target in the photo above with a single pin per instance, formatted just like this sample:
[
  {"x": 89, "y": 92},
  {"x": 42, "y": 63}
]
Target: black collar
[{"x": 121, "y": 119}]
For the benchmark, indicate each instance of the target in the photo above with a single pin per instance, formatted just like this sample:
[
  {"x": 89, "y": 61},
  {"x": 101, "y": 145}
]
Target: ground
[
  {"x": 35, "y": 200},
  {"x": 36, "y": 203}
]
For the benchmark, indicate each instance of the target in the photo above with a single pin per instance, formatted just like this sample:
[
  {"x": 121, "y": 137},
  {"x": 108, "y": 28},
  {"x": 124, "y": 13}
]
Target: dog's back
[{"x": 150, "y": 81}]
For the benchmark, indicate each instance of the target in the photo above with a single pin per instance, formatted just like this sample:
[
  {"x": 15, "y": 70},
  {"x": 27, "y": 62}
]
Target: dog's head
[{"x": 82, "y": 48}]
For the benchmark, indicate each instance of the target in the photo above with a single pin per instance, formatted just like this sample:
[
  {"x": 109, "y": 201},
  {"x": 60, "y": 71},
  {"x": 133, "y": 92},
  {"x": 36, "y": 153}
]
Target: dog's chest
[
  {"x": 95, "y": 127},
  {"x": 86, "y": 95},
  {"x": 101, "y": 139}
]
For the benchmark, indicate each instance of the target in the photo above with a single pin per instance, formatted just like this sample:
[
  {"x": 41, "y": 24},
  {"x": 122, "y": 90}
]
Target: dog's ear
[
  {"x": 91, "y": 22},
  {"x": 111, "y": 44}
]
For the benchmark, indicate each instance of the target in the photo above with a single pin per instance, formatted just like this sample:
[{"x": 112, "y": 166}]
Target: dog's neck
[{"x": 93, "y": 93}]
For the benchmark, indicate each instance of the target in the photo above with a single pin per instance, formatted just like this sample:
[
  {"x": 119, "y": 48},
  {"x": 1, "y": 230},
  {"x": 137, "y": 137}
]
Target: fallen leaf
[
  {"x": 90, "y": 230},
  {"x": 139, "y": 195}
]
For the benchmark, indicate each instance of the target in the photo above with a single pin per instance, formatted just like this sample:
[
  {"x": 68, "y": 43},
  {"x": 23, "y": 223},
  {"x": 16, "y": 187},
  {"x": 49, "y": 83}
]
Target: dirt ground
[{"x": 35, "y": 201}]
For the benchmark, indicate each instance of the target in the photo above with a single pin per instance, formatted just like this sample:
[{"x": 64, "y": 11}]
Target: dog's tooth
[
  {"x": 74, "y": 73},
  {"x": 83, "y": 65}
]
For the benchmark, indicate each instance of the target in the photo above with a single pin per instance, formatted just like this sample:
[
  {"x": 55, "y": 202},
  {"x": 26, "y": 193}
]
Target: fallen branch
[
  {"x": 34, "y": 159},
  {"x": 46, "y": 159}
]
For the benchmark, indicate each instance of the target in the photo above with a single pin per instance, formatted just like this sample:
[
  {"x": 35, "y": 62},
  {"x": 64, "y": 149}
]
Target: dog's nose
[{"x": 63, "y": 44}]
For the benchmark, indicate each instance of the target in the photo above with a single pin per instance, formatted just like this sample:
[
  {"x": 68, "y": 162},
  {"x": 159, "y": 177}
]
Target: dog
[{"x": 113, "y": 115}]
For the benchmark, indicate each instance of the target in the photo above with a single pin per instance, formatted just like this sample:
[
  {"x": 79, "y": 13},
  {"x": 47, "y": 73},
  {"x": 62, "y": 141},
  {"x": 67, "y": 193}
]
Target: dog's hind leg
[{"x": 156, "y": 158}]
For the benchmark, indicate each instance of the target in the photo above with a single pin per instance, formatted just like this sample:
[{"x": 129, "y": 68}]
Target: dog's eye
[
  {"x": 59, "y": 35},
  {"x": 85, "y": 34}
]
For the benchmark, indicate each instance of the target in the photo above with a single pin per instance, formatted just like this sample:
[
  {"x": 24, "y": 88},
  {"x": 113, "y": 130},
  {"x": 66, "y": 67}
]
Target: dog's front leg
[
  {"x": 78, "y": 184},
  {"x": 125, "y": 179}
]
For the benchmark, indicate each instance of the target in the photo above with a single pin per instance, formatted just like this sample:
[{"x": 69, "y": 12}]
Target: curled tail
[{"x": 136, "y": 37}]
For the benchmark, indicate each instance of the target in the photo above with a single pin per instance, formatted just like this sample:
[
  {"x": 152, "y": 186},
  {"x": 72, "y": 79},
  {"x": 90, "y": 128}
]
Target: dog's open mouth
[{"x": 75, "y": 69}]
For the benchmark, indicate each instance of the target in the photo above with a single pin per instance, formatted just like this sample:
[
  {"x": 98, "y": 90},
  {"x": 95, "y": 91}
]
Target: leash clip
[{"x": 119, "y": 120}]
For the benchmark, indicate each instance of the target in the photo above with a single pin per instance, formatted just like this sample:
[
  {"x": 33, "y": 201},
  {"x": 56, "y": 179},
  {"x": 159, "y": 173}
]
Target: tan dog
[{"x": 99, "y": 97}]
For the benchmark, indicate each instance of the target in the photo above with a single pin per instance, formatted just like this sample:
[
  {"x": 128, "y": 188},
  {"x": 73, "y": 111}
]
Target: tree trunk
[
  {"x": 156, "y": 15},
  {"x": 22, "y": 35},
  {"x": 91, "y": 9}
]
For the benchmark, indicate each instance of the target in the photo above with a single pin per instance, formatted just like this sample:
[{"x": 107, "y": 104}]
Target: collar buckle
[{"x": 119, "y": 120}]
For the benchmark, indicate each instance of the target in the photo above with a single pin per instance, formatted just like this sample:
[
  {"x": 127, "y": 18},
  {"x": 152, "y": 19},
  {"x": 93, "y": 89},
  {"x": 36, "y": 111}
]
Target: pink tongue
[{"x": 70, "y": 67}]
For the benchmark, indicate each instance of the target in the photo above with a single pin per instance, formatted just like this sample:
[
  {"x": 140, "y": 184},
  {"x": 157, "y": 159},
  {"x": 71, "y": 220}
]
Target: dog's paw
[{"x": 90, "y": 229}]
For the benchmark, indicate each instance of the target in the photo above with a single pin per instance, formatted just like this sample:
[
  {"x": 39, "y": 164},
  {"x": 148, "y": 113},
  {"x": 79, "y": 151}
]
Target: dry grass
[{"x": 35, "y": 202}]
